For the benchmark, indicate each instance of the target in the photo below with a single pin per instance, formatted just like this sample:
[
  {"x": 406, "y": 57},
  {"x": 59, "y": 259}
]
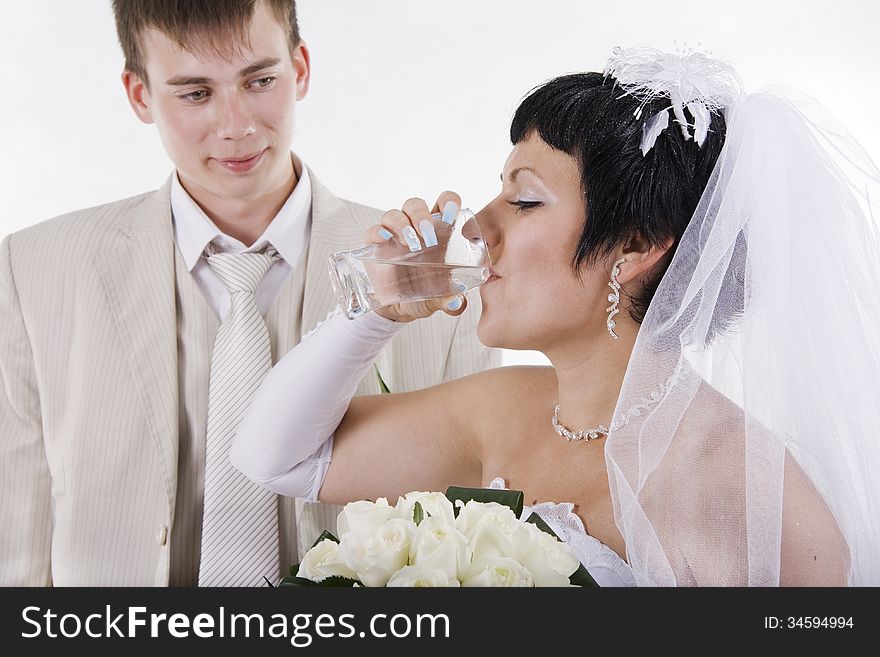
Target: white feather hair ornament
[{"x": 689, "y": 79}]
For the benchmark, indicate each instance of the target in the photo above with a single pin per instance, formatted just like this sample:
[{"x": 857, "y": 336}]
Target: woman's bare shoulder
[
  {"x": 499, "y": 400},
  {"x": 512, "y": 383}
]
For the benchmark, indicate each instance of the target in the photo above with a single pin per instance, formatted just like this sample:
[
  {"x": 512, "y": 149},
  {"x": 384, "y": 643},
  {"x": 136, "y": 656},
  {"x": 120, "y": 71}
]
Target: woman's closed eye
[{"x": 524, "y": 205}]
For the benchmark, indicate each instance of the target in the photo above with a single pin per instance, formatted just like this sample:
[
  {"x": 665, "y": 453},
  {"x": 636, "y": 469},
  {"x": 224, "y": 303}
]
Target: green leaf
[
  {"x": 324, "y": 535},
  {"x": 418, "y": 514},
  {"x": 292, "y": 580},
  {"x": 335, "y": 581},
  {"x": 580, "y": 577},
  {"x": 538, "y": 521},
  {"x": 382, "y": 386},
  {"x": 509, "y": 498},
  {"x": 338, "y": 580}
]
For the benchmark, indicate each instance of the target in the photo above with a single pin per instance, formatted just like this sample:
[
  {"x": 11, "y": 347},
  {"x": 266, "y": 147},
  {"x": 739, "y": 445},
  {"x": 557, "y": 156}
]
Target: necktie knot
[{"x": 241, "y": 272}]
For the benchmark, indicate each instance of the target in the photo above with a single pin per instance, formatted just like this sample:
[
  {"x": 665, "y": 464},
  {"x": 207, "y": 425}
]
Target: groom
[{"x": 132, "y": 334}]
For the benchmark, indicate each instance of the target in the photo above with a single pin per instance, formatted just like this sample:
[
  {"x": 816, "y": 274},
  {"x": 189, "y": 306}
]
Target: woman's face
[{"x": 531, "y": 228}]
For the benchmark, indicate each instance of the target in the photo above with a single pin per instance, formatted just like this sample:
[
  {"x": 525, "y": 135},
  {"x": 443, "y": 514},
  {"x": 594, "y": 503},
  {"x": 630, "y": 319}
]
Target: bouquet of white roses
[{"x": 467, "y": 537}]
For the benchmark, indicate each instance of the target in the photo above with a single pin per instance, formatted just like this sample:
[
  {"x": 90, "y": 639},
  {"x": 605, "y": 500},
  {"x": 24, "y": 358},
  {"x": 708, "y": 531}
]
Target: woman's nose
[
  {"x": 491, "y": 230},
  {"x": 471, "y": 230}
]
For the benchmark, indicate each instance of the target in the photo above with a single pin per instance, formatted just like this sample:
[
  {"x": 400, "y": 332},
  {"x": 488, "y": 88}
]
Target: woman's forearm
[{"x": 284, "y": 440}]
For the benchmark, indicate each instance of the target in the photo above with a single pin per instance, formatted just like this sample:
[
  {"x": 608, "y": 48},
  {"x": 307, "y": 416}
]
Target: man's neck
[{"x": 244, "y": 219}]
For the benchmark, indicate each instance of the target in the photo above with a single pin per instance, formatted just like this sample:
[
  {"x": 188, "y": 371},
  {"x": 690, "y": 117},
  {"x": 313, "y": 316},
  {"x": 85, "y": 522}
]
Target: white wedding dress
[{"x": 604, "y": 564}]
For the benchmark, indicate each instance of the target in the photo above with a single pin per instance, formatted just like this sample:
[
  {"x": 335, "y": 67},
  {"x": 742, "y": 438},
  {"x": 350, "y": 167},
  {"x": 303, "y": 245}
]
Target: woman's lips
[{"x": 242, "y": 164}]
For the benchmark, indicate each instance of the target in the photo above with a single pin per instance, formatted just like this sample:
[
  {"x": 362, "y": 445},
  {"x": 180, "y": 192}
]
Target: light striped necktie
[{"x": 240, "y": 519}]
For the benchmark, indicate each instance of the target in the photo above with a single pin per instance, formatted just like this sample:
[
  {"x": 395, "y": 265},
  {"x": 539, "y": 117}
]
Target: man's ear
[
  {"x": 302, "y": 66},
  {"x": 138, "y": 96},
  {"x": 640, "y": 257}
]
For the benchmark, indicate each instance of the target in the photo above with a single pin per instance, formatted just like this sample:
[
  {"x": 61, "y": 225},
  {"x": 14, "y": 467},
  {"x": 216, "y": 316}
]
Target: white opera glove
[{"x": 285, "y": 440}]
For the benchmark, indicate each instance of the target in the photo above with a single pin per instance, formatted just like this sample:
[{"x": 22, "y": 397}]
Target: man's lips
[
  {"x": 242, "y": 163},
  {"x": 243, "y": 158}
]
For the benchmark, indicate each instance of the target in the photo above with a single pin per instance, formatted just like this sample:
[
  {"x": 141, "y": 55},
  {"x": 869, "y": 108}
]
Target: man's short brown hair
[{"x": 219, "y": 25}]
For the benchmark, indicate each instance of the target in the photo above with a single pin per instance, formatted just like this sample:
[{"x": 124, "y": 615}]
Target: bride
[{"x": 701, "y": 270}]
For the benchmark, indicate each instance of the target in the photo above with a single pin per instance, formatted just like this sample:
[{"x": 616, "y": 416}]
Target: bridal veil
[{"x": 750, "y": 447}]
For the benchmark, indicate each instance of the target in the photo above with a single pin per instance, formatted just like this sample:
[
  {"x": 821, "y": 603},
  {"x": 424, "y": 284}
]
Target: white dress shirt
[{"x": 288, "y": 233}]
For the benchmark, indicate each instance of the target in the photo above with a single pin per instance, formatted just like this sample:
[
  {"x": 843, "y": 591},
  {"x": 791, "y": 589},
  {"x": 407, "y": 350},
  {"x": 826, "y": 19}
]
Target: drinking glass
[{"x": 389, "y": 273}]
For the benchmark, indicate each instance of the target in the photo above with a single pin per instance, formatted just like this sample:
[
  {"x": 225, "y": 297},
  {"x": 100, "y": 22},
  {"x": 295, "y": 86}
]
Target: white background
[{"x": 408, "y": 97}]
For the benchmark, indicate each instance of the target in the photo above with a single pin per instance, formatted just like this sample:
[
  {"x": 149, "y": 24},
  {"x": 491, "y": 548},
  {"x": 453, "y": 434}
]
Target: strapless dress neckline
[{"x": 603, "y": 563}]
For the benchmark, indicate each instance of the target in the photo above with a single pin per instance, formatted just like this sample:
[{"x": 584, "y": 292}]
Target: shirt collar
[{"x": 288, "y": 231}]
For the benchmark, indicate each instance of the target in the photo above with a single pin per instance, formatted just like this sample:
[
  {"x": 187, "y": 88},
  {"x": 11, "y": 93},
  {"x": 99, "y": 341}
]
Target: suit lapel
[
  {"x": 137, "y": 269},
  {"x": 333, "y": 229}
]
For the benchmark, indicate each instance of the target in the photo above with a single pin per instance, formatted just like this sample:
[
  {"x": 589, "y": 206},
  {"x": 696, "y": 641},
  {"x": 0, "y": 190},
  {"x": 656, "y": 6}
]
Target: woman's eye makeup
[{"x": 523, "y": 205}]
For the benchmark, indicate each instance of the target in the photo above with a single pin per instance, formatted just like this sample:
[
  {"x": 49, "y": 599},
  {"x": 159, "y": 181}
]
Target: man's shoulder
[
  {"x": 325, "y": 202},
  {"x": 94, "y": 220},
  {"x": 361, "y": 208},
  {"x": 363, "y": 215}
]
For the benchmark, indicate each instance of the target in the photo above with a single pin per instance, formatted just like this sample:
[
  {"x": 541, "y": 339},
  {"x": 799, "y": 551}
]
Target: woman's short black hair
[{"x": 588, "y": 116}]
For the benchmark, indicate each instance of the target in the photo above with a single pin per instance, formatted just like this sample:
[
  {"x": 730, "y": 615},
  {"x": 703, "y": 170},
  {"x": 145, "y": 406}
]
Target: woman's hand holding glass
[{"x": 417, "y": 261}]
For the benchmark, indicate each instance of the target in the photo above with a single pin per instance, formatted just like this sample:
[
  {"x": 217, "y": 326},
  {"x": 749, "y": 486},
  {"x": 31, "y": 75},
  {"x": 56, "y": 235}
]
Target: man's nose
[{"x": 234, "y": 119}]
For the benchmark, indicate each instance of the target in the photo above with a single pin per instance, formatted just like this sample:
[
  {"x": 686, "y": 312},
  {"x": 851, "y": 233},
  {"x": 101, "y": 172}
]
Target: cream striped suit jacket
[{"x": 89, "y": 384}]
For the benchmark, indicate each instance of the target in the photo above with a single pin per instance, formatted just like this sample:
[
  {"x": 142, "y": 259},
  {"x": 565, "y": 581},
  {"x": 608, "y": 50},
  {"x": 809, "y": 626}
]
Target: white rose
[
  {"x": 324, "y": 560},
  {"x": 550, "y": 561},
  {"x": 492, "y": 530},
  {"x": 500, "y": 571},
  {"x": 363, "y": 516},
  {"x": 421, "y": 577},
  {"x": 472, "y": 514},
  {"x": 375, "y": 555},
  {"x": 436, "y": 505},
  {"x": 439, "y": 545}
]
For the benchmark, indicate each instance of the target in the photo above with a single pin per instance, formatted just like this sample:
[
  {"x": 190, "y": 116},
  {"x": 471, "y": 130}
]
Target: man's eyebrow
[
  {"x": 266, "y": 62},
  {"x": 184, "y": 80}
]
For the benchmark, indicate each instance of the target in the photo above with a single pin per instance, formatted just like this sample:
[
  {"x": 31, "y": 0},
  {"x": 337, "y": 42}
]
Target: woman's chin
[
  {"x": 486, "y": 334},
  {"x": 498, "y": 337}
]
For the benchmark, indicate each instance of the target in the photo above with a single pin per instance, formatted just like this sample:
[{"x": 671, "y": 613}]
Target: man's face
[{"x": 226, "y": 122}]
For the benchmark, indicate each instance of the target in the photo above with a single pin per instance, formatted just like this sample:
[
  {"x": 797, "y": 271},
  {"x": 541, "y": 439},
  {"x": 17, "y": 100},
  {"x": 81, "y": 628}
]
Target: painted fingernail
[
  {"x": 427, "y": 228},
  {"x": 436, "y": 215},
  {"x": 449, "y": 211},
  {"x": 458, "y": 285},
  {"x": 385, "y": 234},
  {"x": 455, "y": 304},
  {"x": 412, "y": 239}
]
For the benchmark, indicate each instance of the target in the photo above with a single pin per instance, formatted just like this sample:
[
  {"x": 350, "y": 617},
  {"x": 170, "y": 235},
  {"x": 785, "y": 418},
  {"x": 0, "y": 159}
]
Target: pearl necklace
[
  {"x": 601, "y": 430},
  {"x": 584, "y": 434}
]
